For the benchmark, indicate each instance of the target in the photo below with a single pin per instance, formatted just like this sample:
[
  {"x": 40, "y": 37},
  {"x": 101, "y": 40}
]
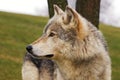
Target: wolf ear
[
  {"x": 57, "y": 10},
  {"x": 76, "y": 20},
  {"x": 70, "y": 15}
]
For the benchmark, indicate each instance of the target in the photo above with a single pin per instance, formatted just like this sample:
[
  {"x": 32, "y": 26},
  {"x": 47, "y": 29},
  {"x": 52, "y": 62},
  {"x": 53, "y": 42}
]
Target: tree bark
[
  {"x": 61, "y": 3},
  {"x": 89, "y": 9}
]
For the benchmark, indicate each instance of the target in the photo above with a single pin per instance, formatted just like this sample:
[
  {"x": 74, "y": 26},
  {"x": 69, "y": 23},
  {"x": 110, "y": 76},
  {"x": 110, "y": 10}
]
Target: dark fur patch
[{"x": 41, "y": 64}]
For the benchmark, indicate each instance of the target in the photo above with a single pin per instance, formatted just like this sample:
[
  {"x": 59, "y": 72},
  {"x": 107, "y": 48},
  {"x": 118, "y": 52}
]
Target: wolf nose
[{"x": 29, "y": 48}]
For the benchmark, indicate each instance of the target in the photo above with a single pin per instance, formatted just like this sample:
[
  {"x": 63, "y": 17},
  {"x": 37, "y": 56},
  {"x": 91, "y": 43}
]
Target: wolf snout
[{"x": 29, "y": 48}]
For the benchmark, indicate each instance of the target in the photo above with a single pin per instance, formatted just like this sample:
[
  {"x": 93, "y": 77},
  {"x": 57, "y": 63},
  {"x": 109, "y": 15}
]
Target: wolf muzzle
[{"x": 30, "y": 51}]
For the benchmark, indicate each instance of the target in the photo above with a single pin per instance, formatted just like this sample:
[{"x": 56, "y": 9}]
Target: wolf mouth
[
  {"x": 49, "y": 55},
  {"x": 42, "y": 56}
]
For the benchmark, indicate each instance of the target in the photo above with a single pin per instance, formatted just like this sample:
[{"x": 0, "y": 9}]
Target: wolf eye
[{"x": 51, "y": 34}]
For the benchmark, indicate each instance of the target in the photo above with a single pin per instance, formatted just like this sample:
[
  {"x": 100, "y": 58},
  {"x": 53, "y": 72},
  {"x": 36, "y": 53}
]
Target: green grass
[
  {"x": 17, "y": 31},
  {"x": 112, "y": 36}
]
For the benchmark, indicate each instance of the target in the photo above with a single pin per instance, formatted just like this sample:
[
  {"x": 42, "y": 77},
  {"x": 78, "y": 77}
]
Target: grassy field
[{"x": 17, "y": 31}]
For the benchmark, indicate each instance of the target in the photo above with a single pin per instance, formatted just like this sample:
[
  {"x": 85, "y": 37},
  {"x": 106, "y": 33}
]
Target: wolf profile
[{"x": 71, "y": 48}]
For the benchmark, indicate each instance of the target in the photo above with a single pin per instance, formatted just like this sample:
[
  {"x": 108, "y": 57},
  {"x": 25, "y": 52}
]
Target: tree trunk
[
  {"x": 61, "y": 3},
  {"x": 89, "y": 9}
]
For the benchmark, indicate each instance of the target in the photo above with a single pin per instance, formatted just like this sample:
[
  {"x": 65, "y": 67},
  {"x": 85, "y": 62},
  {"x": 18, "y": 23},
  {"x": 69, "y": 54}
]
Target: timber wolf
[{"x": 71, "y": 48}]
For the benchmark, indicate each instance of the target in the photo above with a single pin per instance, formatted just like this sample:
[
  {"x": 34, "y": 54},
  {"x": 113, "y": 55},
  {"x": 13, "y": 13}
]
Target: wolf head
[{"x": 62, "y": 36}]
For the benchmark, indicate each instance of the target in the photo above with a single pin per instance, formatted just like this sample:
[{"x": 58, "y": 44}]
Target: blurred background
[
  {"x": 22, "y": 21},
  {"x": 109, "y": 13}
]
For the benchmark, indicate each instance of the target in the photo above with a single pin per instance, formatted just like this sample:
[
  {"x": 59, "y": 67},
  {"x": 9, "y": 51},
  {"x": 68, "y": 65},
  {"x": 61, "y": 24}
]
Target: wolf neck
[{"x": 69, "y": 69}]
